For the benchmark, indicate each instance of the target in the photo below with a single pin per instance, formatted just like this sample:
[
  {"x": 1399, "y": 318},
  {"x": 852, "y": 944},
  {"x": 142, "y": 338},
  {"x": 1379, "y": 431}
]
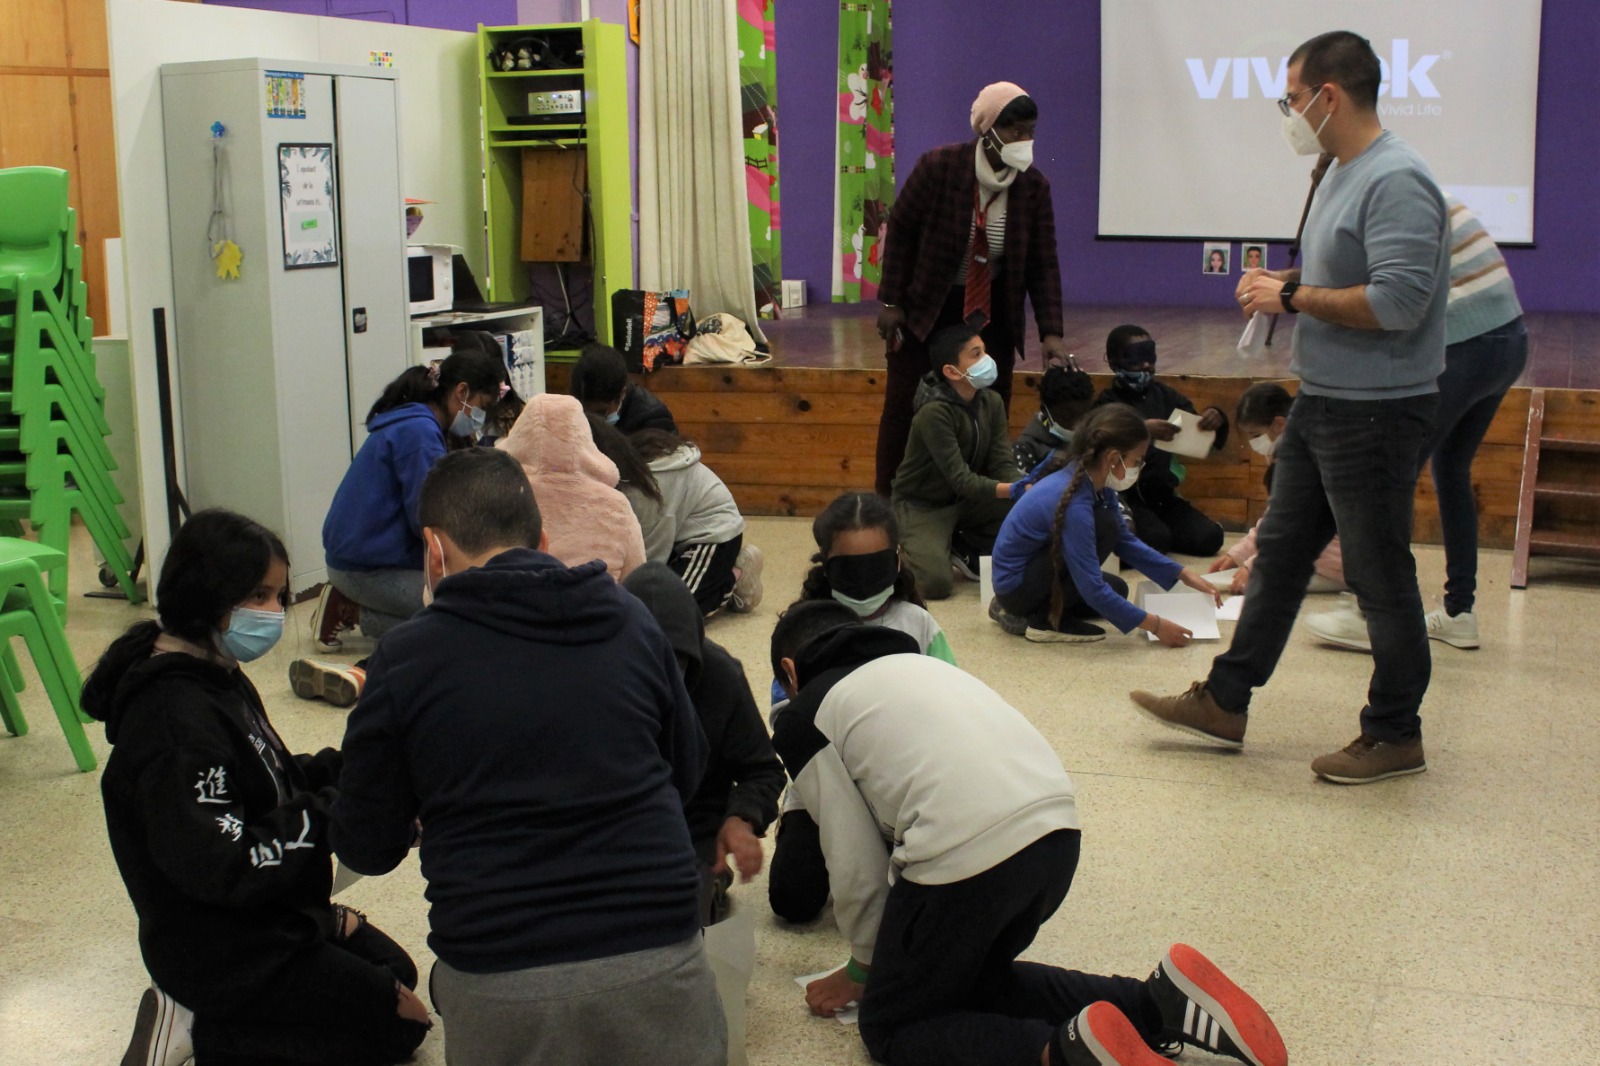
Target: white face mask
[
  {"x": 1263, "y": 444},
  {"x": 868, "y": 607},
  {"x": 427, "y": 581},
  {"x": 1018, "y": 155},
  {"x": 1298, "y": 132},
  {"x": 1130, "y": 476}
]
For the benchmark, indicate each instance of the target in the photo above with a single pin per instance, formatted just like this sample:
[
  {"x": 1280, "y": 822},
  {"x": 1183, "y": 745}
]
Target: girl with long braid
[{"x": 1047, "y": 575}]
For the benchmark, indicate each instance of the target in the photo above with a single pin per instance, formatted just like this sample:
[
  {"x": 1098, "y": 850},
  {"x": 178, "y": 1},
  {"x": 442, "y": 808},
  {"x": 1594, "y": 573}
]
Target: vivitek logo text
[{"x": 1401, "y": 77}]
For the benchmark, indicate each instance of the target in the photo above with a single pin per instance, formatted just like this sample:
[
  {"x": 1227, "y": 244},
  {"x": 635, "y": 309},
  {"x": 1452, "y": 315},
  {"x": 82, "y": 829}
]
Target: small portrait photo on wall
[
  {"x": 1253, "y": 257},
  {"x": 1215, "y": 259}
]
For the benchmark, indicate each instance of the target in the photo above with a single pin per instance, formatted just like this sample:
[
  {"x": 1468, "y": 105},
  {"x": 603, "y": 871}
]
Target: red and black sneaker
[
  {"x": 335, "y": 614},
  {"x": 1101, "y": 1035},
  {"x": 1200, "y": 1006}
]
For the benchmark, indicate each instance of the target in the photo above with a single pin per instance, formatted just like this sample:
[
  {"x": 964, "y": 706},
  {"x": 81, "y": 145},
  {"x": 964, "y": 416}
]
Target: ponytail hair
[
  {"x": 852, "y": 512},
  {"x": 214, "y": 564},
  {"x": 1112, "y": 427},
  {"x": 474, "y": 358}
]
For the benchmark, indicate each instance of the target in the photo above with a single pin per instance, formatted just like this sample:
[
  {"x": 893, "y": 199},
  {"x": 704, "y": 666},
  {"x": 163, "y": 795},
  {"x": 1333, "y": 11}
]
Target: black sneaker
[
  {"x": 1101, "y": 1035},
  {"x": 1014, "y": 624},
  {"x": 160, "y": 1032},
  {"x": 1200, "y": 1006},
  {"x": 965, "y": 559},
  {"x": 1069, "y": 631}
]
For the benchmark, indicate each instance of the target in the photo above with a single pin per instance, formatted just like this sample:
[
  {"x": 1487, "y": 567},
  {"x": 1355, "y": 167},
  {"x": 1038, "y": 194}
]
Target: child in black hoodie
[
  {"x": 1165, "y": 521},
  {"x": 738, "y": 797},
  {"x": 221, "y": 834}
]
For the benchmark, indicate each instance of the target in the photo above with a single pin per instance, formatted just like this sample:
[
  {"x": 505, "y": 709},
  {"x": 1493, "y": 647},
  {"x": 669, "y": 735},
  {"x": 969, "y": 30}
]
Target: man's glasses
[{"x": 1283, "y": 102}]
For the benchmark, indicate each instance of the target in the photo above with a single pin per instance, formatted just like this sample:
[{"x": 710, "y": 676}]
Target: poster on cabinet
[{"x": 305, "y": 185}]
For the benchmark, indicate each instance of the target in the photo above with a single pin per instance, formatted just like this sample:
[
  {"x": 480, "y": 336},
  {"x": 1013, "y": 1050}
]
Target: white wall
[{"x": 441, "y": 160}]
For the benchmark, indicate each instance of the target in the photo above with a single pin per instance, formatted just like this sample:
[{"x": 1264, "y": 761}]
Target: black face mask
[{"x": 862, "y": 576}]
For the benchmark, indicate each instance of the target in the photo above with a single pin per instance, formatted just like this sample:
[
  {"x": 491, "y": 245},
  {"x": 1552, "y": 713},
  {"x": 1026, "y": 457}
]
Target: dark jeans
[
  {"x": 797, "y": 880},
  {"x": 909, "y": 363},
  {"x": 1031, "y": 598},
  {"x": 1169, "y": 523},
  {"x": 946, "y": 987},
  {"x": 1477, "y": 374},
  {"x": 335, "y": 1005},
  {"x": 1345, "y": 466}
]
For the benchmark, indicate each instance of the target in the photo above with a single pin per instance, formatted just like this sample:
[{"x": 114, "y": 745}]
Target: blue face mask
[
  {"x": 613, "y": 418},
  {"x": 982, "y": 374},
  {"x": 1060, "y": 433},
  {"x": 1135, "y": 380},
  {"x": 252, "y": 633},
  {"x": 469, "y": 421},
  {"x": 865, "y": 608}
]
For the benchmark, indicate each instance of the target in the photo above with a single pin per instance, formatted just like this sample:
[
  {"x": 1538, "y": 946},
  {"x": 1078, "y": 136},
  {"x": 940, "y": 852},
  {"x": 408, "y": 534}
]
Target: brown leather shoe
[
  {"x": 1196, "y": 713},
  {"x": 1368, "y": 759}
]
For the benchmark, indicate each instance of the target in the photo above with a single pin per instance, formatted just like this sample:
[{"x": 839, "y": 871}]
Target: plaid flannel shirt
[{"x": 930, "y": 234}]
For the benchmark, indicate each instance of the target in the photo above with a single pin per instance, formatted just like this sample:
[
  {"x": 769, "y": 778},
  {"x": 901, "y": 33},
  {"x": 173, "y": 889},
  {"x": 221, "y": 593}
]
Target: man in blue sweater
[
  {"x": 533, "y": 723},
  {"x": 1369, "y": 348}
]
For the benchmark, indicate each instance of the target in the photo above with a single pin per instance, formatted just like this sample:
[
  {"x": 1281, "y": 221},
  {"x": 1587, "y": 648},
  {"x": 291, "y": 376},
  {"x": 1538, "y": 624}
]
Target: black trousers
[
  {"x": 1169, "y": 523},
  {"x": 708, "y": 570},
  {"x": 333, "y": 1006},
  {"x": 797, "y": 880},
  {"x": 909, "y": 363},
  {"x": 946, "y": 987}
]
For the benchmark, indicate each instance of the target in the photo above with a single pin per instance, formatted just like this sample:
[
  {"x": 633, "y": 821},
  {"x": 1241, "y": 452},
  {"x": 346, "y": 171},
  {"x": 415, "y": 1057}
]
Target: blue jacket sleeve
[
  {"x": 412, "y": 461},
  {"x": 1078, "y": 548}
]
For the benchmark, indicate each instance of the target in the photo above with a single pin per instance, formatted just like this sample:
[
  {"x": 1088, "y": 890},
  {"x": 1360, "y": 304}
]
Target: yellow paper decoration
[{"x": 228, "y": 257}]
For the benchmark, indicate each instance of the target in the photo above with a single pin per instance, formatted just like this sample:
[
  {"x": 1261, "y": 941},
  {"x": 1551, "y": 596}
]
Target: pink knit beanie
[{"x": 991, "y": 101}]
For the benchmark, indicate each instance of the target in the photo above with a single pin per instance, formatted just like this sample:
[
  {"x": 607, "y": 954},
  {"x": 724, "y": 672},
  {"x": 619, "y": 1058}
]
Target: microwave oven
[{"x": 430, "y": 285}]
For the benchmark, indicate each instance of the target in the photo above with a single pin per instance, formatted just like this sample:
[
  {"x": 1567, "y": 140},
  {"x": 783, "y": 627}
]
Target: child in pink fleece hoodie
[
  {"x": 1262, "y": 414},
  {"x": 585, "y": 517}
]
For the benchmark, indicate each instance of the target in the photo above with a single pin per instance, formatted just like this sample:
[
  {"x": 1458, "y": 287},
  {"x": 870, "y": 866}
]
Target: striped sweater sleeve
[{"x": 1482, "y": 294}]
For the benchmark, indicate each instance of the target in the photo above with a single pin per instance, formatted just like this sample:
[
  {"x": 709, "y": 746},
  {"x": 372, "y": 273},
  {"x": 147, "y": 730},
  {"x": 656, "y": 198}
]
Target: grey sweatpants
[
  {"x": 387, "y": 597},
  {"x": 656, "y": 1007}
]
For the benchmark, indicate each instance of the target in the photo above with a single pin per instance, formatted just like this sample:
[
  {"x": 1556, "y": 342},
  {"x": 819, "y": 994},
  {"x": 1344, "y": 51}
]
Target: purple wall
[
  {"x": 942, "y": 57},
  {"x": 435, "y": 14}
]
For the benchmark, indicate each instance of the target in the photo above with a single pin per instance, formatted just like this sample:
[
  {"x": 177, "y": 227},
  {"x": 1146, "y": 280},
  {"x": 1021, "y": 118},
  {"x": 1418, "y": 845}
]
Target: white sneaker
[
  {"x": 1458, "y": 631},
  {"x": 747, "y": 591},
  {"x": 1345, "y": 627},
  {"x": 161, "y": 1032}
]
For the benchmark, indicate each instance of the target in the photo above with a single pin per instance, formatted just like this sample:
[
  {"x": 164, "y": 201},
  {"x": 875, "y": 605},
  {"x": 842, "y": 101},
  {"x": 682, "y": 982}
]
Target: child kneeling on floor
[
  {"x": 952, "y": 832},
  {"x": 1262, "y": 415},
  {"x": 697, "y": 528},
  {"x": 1066, "y": 394},
  {"x": 1047, "y": 575},
  {"x": 857, "y": 564}
]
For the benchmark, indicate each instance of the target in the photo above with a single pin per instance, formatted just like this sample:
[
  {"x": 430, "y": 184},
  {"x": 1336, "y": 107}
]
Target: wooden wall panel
[
  {"x": 36, "y": 121},
  {"x": 86, "y": 35},
  {"x": 95, "y": 180},
  {"x": 788, "y": 441},
  {"x": 33, "y": 33}
]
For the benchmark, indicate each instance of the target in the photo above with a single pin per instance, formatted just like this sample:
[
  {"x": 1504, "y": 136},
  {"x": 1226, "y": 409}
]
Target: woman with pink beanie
[
  {"x": 585, "y": 517},
  {"x": 972, "y": 233}
]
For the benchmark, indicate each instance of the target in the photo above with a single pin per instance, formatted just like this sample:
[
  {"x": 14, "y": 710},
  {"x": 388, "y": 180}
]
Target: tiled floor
[{"x": 1448, "y": 917}]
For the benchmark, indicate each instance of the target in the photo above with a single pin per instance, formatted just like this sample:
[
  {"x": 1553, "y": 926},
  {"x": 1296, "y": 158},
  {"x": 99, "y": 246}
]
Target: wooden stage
[{"x": 789, "y": 437}]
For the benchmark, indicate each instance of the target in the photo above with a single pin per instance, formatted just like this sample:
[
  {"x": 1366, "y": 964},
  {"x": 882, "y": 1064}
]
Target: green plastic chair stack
[
  {"x": 27, "y": 610},
  {"x": 54, "y": 461}
]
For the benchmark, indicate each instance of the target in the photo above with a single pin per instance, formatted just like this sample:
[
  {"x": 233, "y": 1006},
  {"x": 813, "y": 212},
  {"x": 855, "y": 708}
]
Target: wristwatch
[{"x": 1286, "y": 294}]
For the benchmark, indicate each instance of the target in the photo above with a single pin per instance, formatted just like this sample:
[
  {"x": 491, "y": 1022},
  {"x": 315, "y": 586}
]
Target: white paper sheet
[
  {"x": 1191, "y": 440},
  {"x": 1222, "y": 580},
  {"x": 1230, "y": 609},
  {"x": 844, "y": 1017},
  {"x": 1191, "y": 610},
  {"x": 1253, "y": 341}
]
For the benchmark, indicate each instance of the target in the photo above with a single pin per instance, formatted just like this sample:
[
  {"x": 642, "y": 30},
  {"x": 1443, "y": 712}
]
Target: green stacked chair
[
  {"x": 30, "y": 612},
  {"x": 54, "y": 461}
]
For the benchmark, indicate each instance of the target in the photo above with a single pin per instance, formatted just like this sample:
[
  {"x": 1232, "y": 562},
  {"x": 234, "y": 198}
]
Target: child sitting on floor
[
  {"x": 1165, "y": 521},
  {"x": 585, "y": 517},
  {"x": 1065, "y": 395},
  {"x": 1047, "y": 575},
  {"x": 697, "y": 528},
  {"x": 1262, "y": 414},
  {"x": 600, "y": 382},
  {"x": 954, "y": 486}
]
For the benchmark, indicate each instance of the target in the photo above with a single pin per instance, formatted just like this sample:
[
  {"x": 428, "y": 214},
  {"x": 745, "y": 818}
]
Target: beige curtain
[{"x": 694, "y": 218}]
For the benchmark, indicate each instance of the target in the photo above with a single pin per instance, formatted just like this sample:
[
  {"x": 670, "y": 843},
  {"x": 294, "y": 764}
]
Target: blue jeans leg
[
  {"x": 1298, "y": 524},
  {"x": 1478, "y": 372}
]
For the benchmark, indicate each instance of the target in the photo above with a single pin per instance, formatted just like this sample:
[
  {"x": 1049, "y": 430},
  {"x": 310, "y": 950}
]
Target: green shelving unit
[{"x": 602, "y": 132}]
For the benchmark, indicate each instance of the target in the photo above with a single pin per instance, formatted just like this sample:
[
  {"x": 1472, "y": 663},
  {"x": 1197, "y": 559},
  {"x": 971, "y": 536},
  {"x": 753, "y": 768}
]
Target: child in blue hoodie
[{"x": 371, "y": 538}]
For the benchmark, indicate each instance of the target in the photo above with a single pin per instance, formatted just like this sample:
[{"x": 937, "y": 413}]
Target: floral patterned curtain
[
  {"x": 758, "y": 81},
  {"x": 865, "y": 151}
]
